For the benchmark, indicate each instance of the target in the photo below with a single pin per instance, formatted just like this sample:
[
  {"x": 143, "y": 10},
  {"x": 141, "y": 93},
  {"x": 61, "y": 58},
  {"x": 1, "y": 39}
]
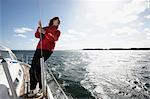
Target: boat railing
[
  {"x": 55, "y": 87},
  {"x": 25, "y": 59}
]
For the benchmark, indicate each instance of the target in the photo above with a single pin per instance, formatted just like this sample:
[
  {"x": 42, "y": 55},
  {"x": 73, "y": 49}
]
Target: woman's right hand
[
  {"x": 40, "y": 30},
  {"x": 40, "y": 23}
]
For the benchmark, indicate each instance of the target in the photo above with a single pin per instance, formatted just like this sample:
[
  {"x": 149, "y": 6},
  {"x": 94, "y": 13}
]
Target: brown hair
[{"x": 51, "y": 21}]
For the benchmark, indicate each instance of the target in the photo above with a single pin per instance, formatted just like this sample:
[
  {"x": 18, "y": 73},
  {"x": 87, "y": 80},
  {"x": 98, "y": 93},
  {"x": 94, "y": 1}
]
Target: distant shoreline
[
  {"x": 116, "y": 49},
  {"x": 99, "y": 49}
]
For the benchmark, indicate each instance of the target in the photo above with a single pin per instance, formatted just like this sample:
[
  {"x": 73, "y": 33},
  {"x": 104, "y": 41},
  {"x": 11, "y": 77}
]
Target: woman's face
[{"x": 55, "y": 22}]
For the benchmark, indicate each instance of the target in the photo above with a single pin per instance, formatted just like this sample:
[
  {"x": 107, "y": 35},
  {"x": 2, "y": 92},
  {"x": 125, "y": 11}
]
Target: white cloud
[
  {"x": 20, "y": 32},
  {"x": 72, "y": 35},
  {"x": 128, "y": 18},
  {"x": 130, "y": 11},
  {"x": 108, "y": 12},
  {"x": 31, "y": 44},
  {"x": 148, "y": 34},
  {"x": 23, "y": 30},
  {"x": 136, "y": 24},
  {"x": 33, "y": 40},
  {"x": 20, "y": 35},
  {"x": 72, "y": 31},
  {"x": 8, "y": 42},
  {"x": 75, "y": 32},
  {"x": 135, "y": 7},
  {"x": 147, "y": 30},
  {"x": 102, "y": 18},
  {"x": 124, "y": 31},
  {"x": 68, "y": 38},
  {"x": 148, "y": 16},
  {"x": 140, "y": 24}
]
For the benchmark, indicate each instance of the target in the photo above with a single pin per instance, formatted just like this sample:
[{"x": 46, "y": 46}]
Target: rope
[
  {"x": 57, "y": 83},
  {"x": 40, "y": 17},
  {"x": 43, "y": 81}
]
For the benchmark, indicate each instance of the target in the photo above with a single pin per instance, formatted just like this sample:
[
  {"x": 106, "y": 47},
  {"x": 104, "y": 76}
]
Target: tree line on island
[{"x": 116, "y": 49}]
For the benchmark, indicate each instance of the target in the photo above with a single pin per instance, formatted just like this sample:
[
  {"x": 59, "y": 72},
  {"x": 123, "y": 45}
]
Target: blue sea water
[{"x": 99, "y": 74}]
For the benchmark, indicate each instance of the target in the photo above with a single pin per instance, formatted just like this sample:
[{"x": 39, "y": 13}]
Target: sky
[{"x": 84, "y": 23}]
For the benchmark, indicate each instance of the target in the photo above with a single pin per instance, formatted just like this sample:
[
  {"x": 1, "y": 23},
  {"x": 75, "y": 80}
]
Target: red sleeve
[
  {"x": 37, "y": 34},
  {"x": 57, "y": 35}
]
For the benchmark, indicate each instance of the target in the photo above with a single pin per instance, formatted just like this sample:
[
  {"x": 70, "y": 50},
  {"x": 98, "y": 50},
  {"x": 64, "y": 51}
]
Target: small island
[{"x": 116, "y": 49}]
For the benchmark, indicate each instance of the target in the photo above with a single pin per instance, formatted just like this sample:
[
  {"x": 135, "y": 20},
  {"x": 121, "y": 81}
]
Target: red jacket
[{"x": 49, "y": 38}]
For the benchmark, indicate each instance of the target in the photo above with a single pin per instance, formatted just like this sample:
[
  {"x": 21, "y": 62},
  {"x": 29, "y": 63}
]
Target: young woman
[{"x": 50, "y": 35}]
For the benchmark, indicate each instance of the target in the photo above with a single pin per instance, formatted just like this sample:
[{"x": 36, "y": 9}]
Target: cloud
[
  {"x": 124, "y": 31},
  {"x": 31, "y": 44},
  {"x": 68, "y": 37},
  {"x": 20, "y": 35},
  {"x": 130, "y": 11},
  {"x": 76, "y": 32},
  {"x": 33, "y": 40},
  {"x": 134, "y": 7},
  {"x": 147, "y": 30},
  {"x": 20, "y": 32},
  {"x": 72, "y": 35},
  {"x": 72, "y": 31},
  {"x": 23, "y": 30},
  {"x": 106, "y": 20},
  {"x": 110, "y": 12},
  {"x": 140, "y": 24},
  {"x": 8, "y": 42},
  {"x": 128, "y": 18},
  {"x": 147, "y": 17}
]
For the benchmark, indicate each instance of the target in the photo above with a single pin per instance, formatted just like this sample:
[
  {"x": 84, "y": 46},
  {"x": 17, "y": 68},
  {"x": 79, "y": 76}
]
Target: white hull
[{"x": 20, "y": 78}]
